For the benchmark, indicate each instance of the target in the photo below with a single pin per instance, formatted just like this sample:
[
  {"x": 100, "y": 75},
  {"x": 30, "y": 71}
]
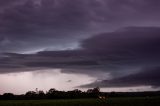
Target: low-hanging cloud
[
  {"x": 80, "y": 36},
  {"x": 146, "y": 77},
  {"x": 119, "y": 53}
]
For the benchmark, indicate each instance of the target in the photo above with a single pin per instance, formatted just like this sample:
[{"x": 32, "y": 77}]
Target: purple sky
[{"x": 68, "y": 44}]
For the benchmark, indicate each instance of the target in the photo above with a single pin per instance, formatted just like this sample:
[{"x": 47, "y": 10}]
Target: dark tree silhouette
[
  {"x": 51, "y": 91},
  {"x": 95, "y": 92},
  {"x": 74, "y": 94},
  {"x": 30, "y": 94},
  {"x": 8, "y": 96}
]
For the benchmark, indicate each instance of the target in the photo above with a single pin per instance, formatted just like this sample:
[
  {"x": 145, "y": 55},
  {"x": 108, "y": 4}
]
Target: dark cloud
[
  {"x": 30, "y": 25},
  {"x": 46, "y": 23},
  {"x": 119, "y": 53},
  {"x": 9, "y": 3},
  {"x": 133, "y": 43},
  {"x": 64, "y": 32},
  {"x": 146, "y": 77}
]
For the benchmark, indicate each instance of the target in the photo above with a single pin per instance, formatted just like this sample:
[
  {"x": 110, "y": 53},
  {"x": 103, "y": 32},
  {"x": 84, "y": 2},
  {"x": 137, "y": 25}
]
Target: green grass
[
  {"x": 136, "y": 101},
  {"x": 69, "y": 102}
]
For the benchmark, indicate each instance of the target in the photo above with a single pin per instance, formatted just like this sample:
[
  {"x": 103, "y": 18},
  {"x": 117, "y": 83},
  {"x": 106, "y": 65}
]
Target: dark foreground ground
[{"x": 127, "y": 101}]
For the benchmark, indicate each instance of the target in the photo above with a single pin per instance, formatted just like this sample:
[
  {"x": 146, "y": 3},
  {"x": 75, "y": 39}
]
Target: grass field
[{"x": 152, "y": 101}]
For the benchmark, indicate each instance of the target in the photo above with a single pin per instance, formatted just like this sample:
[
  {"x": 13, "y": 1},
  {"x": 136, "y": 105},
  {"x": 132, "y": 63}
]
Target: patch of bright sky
[
  {"x": 71, "y": 46},
  {"x": 130, "y": 89},
  {"x": 19, "y": 83}
]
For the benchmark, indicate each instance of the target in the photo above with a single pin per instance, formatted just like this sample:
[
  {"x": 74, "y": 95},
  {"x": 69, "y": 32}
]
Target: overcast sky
[{"x": 68, "y": 44}]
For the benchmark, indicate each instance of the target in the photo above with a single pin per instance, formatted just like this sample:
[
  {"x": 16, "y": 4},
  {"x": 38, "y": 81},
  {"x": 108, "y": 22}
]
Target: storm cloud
[
  {"x": 146, "y": 77},
  {"x": 119, "y": 53},
  {"x": 35, "y": 25},
  {"x": 112, "y": 40}
]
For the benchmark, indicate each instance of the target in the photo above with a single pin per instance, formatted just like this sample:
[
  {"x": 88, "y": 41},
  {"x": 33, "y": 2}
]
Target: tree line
[
  {"x": 74, "y": 94},
  {"x": 53, "y": 94}
]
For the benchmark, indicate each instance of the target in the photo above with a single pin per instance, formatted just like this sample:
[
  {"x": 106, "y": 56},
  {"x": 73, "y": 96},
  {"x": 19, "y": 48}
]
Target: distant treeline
[
  {"x": 75, "y": 94},
  {"x": 133, "y": 94},
  {"x": 52, "y": 94}
]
